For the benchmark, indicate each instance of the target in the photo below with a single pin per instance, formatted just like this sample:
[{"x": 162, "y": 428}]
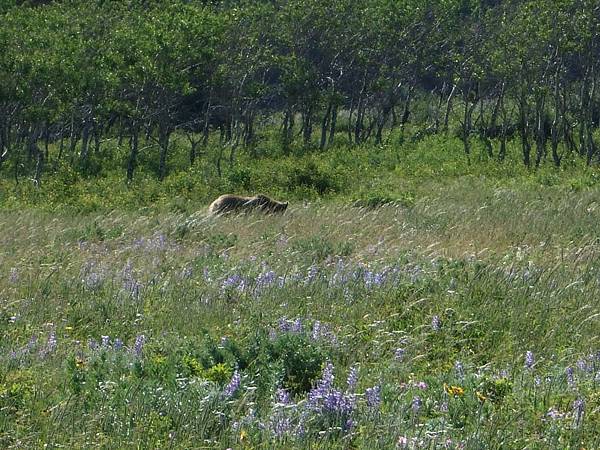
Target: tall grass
[{"x": 461, "y": 316}]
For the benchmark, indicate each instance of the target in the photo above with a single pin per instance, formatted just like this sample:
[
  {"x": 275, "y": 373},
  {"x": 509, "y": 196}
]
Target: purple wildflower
[
  {"x": 13, "y": 276},
  {"x": 435, "y": 323},
  {"x": 93, "y": 280},
  {"x": 187, "y": 272},
  {"x": 416, "y": 404},
  {"x": 399, "y": 354},
  {"x": 265, "y": 278},
  {"x": 50, "y": 344},
  {"x": 312, "y": 274},
  {"x": 554, "y": 414},
  {"x": 569, "y": 372},
  {"x": 283, "y": 396},
  {"x": 280, "y": 282},
  {"x": 578, "y": 410},
  {"x": 280, "y": 425},
  {"x": 583, "y": 365},
  {"x": 283, "y": 324},
  {"x": 368, "y": 278},
  {"x": 323, "y": 386},
  {"x": 92, "y": 344},
  {"x": 378, "y": 279},
  {"x": 420, "y": 385},
  {"x": 352, "y": 380},
  {"x": 297, "y": 326},
  {"x": 233, "y": 281},
  {"x": 373, "y": 396},
  {"x": 459, "y": 369},
  {"x": 233, "y": 385},
  {"x": 138, "y": 347},
  {"x": 118, "y": 344},
  {"x": 529, "y": 360},
  {"x": 321, "y": 332}
]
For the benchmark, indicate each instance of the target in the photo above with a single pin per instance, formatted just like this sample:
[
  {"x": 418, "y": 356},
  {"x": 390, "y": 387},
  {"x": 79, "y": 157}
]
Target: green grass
[{"x": 506, "y": 264}]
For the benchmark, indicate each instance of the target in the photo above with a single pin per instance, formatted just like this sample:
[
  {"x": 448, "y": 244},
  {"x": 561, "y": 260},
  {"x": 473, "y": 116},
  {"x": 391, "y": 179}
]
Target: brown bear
[{"x": 230, "y": 202}]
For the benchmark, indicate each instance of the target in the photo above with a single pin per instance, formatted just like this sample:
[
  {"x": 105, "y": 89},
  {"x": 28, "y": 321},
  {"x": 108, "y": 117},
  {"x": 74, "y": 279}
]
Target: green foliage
[{"x": 300, "y": 359}]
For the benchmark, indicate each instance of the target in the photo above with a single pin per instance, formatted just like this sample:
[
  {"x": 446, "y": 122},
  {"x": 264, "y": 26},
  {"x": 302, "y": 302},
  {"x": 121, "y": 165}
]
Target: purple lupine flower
[
  {"x": 283, "y": 396},
  {"x": 118, "y": 344},
  {"x": 578, "y": 410},
  {"x": 529, "y": 360},
  {"x": 233, "y": 281},
  {"x": 280, "y": 282},
  {"x": 316, "y": 330},
  {"x": 323, "y": 386},
  {"x": 435, "y": 323},
  {"x": 368, "y": 278},
  {"x": 233, "y": 385},
  {"x": 138, "y": 347},
  {"x": 335, "y": 401},
  {"x": 349, "y": 424},
  {"x": 50, "y": 344},
  {"x": 459, "y": 369},
  {"x": 373, "y": 396},
  {"x": 283, "y": 324},
  {"x": 321, "y": 332},
  {"x": 570, "y": 374},
  {"x": 187, "y": 272},
  {"x": 92, "y": 344},
  {"x": 297, "y": 326},
  {"x": 280, "y": 425},
  {"x": 13, "y": 275},
  {"x": 266, "y": 278},
  {"x": 420, "y": 385},
  {"x": 326, "y": 381},
  {"x": 416, "y": 404},
  {"x": 352, "y": 380},
  {"x": 93, "y": 280},
  {"x": 554, "y": 414},
  {"x": 399, "y": 354},
  {"x": 583, "y": 365},
  {"x": 312, "y": 274}
]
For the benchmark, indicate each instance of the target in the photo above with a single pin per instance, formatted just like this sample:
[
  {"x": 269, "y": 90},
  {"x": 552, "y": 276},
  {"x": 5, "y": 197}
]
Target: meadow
[{"x": 431, "y": 304}]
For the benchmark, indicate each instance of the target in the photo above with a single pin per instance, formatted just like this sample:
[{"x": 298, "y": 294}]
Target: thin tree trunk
[
  {"x": 324, "y": 126},
  {"x": 133, "y": 151},
  {"x": 164, "y": 133},
  {"x": 334, "y": 113}
]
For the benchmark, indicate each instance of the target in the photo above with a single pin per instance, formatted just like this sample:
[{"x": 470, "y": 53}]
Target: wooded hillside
[{"x": 73, "y": 73}]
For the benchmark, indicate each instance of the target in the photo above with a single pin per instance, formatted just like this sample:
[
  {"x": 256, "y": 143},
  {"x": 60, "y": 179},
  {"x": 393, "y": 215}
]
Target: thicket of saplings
[{"x": 91, "y": 88}]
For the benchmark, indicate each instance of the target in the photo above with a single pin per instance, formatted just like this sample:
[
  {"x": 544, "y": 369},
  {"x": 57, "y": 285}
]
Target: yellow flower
[
  {"x": 243, "y": 435},
  {"x": 482, "y": 398},
  {"x": 456, "y": 391},
  {"x": 79, "y": 363},
  {"x": 68, "y": 328}
]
